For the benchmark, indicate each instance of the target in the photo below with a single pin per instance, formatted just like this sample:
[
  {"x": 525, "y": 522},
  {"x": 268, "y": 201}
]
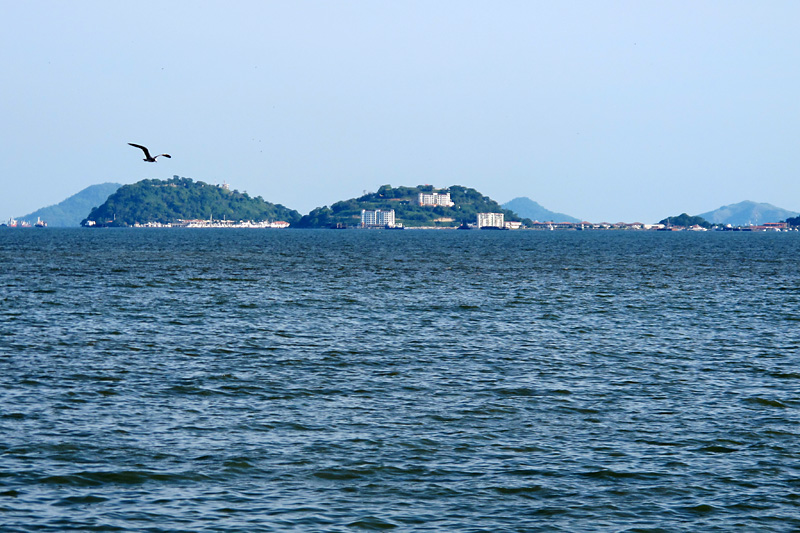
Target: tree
[{"x": 685, "y": 220}]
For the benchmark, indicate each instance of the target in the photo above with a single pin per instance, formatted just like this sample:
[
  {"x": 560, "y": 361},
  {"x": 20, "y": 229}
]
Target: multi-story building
[
  {"x": 435, "y": 198},
  {"x": 492, "y": 220},
  {"x": 377, "y": 219}
]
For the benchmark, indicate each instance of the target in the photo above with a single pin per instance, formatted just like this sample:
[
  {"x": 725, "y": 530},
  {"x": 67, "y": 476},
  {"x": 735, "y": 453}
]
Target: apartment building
[
  {"x": 435, "y": 198},
  {"x": 491, "y": 220},
  {"x": 377, "y": 218}
]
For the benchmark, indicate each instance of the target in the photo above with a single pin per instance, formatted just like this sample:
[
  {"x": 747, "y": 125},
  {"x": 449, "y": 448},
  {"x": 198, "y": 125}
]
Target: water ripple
[{"x": 417, "y": 381}]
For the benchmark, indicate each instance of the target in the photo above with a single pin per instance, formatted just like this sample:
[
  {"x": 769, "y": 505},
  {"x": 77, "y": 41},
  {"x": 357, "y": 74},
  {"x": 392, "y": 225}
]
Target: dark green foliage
[
  {"x": 686, "y": 221},
  {"x": 183, "y": 199},
  {"x": 404, "y": 200},
  {"x": 793, "y": 221}
]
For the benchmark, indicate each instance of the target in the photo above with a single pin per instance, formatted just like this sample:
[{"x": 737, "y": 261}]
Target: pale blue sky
[{"x": 607, "y": 111}]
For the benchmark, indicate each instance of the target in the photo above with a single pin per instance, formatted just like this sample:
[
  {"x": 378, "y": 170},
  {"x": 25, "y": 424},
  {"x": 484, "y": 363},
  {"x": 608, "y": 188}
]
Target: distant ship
[
  {"x": 464, "y": 225},
  {"x": 40, "y": 223}
]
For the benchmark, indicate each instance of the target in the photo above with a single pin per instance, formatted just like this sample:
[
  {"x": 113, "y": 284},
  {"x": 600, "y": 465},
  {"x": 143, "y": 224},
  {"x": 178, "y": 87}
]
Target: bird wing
[
  {"x": 167, "y": 155},
  {"x": 146, "y": 151}
]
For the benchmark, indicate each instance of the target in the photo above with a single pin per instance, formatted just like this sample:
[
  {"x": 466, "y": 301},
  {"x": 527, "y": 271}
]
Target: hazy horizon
[
  {"x": 614, "y": 111},
  {"x": 719, "y": 210}
]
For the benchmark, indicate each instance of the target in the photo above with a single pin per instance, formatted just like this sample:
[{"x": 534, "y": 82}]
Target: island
[
  {"x": 411, "y": 207},
  {"x": 183, "y": 202}
]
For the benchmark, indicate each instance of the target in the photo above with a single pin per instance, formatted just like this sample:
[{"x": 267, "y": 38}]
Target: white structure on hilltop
[
  {"x": 435, "y": 198},
  {"x": 377, "y": 219},
  {"x": 491, "y": 220}
]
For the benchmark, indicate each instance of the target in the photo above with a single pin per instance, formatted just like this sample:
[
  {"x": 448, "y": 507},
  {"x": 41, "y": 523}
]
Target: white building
[
  {"x": 494, "y": 220},
  {"x": 377, "y": 218},
  {"x": 435, "y": 198}
]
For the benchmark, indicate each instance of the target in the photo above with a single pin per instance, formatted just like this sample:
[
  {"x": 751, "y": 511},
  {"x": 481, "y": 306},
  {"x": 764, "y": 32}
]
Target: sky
[{"x": 606, "y": 111}]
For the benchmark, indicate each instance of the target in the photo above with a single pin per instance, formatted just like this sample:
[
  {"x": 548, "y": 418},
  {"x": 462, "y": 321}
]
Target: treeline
[
  {"x": 686, "y": 221},
  {"x": 405, "y": 202},
  {"x": 180, "y": 198}
]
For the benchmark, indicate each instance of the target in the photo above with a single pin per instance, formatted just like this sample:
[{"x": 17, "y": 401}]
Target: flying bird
[{"x": 147, "y": 156}]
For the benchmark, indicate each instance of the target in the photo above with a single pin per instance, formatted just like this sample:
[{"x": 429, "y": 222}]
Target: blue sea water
[{"x": 257, "y": 380}]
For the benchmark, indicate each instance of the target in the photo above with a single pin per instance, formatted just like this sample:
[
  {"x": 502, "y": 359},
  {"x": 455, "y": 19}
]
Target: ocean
[{"x": 168, "y": 380}]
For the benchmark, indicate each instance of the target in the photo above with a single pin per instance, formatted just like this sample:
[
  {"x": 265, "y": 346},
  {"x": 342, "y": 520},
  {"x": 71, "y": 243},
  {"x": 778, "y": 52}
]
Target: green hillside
[
  {"x": 686, "y": 221},
  {"x": 71, "y": 211},
  {"x": 169, "y": 201},
  {"x": 404, "y": 200}
]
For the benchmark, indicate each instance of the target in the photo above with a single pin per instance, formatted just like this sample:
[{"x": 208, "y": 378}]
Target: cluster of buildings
[
  {"x": 385, "y": 218},
  {"x": 215, "y": 224},
  {"x": 767, "y": 226},
  {"x": 14, "y": 223}
]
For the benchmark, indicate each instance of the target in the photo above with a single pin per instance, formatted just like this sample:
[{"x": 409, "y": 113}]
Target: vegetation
[
  {"x": 686, "y": 221},
  {"x": 73, "y": 209},
  {"x": 179, "y": 198},
  {"x": 793, "y": 221},
  {"x": 404, "y": 200}
]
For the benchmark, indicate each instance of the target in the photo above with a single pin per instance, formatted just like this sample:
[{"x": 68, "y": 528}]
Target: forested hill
[
  {"x": 73, "y": 209},
  {"x": 405, "y": 202},
  {"x": 179, "y": 198}
]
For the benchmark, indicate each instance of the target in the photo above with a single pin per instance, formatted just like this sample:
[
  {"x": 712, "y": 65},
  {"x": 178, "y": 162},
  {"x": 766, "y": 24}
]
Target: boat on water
[
  {"x": 464, "y": 225},
  {"x": 40, "y": 223}
]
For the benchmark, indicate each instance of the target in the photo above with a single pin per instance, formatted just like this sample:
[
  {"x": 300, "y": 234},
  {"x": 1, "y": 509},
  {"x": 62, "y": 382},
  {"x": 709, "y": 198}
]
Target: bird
[{"x": 147, "y": 156}]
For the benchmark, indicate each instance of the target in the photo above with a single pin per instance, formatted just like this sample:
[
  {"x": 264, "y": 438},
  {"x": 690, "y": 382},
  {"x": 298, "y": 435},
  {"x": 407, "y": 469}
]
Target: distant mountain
[
  {"x": 467, "y": 203},
  {"x": 746, "y": 213},
  {"x": 169, "y": 201},
  {"x": 71, "y": 211},
  {"x": 527, "y": 208}
]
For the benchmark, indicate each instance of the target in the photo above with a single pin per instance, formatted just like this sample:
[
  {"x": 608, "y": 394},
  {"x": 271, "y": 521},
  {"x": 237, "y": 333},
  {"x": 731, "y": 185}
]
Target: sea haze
[{"x": 257, "y": 380}]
